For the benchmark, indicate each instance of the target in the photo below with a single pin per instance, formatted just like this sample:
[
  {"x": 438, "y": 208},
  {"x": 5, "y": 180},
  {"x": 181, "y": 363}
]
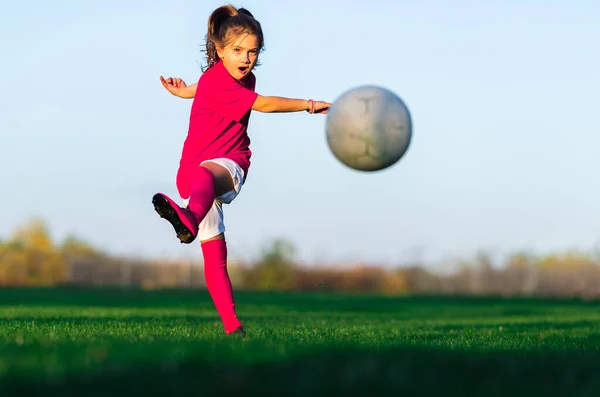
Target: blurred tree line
[{"x": 31, "y": 258}]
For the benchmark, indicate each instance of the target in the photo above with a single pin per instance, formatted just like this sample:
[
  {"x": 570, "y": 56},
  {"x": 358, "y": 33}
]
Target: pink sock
[
  {"x": 218, "y": 282},
  {"x": 202, "y": 193}
]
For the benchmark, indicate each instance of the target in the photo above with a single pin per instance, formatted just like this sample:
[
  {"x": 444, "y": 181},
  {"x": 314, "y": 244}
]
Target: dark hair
[{"x": 224, "y": 25}]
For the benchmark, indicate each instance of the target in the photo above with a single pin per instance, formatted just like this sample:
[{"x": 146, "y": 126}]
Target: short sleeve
[{"x": 234, "y": 99}]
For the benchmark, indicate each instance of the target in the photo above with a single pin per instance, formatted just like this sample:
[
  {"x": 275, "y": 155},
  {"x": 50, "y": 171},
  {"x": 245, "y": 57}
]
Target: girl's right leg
[{"x": 207, "y": 181}]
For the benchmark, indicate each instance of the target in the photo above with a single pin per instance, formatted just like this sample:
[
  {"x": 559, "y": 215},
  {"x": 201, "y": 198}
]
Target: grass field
[{"x": 112, "y": 342}]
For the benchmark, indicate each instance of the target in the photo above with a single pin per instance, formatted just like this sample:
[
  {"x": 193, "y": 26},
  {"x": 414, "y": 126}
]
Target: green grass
[{"x": 111, "y": 342}]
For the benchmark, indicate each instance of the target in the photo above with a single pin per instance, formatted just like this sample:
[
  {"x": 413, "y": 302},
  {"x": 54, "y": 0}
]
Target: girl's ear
[{"x": 220, "y": 52}]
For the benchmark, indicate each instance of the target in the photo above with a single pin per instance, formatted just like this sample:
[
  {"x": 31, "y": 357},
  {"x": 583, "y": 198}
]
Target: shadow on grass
[{"x": 392, "y": 372}]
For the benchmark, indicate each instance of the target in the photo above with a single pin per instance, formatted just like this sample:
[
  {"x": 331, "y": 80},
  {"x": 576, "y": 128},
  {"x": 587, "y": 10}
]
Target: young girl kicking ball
[{"x": 216, "y": 153}]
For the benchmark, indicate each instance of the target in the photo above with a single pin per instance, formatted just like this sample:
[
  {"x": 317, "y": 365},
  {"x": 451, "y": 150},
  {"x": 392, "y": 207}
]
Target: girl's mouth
[{"x": 243, "y": 69}]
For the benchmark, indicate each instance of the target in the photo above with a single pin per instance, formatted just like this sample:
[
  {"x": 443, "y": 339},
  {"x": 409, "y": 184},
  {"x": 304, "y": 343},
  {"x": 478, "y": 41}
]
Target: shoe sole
[{"x": 164, "y": 209}]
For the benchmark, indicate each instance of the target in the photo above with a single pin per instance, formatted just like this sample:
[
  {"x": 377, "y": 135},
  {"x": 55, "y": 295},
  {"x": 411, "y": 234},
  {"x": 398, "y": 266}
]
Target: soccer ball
[{"x": 368, "y": 128}]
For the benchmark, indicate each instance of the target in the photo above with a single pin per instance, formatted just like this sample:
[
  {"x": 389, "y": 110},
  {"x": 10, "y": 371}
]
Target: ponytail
[
  {"x": 215, "y": 23},
  {"x": 245, "y": 11}
]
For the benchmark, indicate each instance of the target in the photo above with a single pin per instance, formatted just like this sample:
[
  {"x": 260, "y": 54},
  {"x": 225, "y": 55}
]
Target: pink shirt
[{"x": 218, "y": 123}]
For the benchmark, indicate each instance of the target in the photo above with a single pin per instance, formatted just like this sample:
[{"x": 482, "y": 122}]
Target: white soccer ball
[{"x": 368, "y": 128}]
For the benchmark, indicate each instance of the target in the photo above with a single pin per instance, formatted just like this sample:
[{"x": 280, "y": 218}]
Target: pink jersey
[{"x": 218, "y": 123}]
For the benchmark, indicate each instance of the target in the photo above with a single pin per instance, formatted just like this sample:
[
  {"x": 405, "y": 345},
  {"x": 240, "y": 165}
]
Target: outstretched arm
[
  {"x": 276, "y": 104},
  {"x": 178, "y": 87}
]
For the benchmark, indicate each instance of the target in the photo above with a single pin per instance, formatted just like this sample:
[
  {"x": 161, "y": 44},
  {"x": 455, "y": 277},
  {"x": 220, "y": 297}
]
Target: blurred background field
[{"x": 31, "y": 257}]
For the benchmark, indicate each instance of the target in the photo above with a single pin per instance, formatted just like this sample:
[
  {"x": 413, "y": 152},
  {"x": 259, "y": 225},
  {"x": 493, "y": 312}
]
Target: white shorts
[{"x": 212, "y": 225}]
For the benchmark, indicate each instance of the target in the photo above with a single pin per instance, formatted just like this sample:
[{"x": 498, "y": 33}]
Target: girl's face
[{"x": 239, "y": 57}]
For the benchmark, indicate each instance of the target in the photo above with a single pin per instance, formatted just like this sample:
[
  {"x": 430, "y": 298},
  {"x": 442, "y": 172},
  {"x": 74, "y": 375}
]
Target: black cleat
[
  {"x": 180, "y": 218},
  {"x": 239, "y": 331}
]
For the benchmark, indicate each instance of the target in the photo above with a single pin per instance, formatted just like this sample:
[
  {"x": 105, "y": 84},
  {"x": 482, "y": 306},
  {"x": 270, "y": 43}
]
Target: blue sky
[{"x": 503, "y": 95}]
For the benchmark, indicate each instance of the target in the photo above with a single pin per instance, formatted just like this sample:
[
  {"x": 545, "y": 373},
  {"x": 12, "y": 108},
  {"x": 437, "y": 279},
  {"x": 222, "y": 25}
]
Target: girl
[{"x": 216, "y": 153}]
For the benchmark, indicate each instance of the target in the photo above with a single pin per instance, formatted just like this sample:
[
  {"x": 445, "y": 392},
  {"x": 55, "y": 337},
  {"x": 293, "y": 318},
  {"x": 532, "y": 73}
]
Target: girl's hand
[
  {"x": 318, "y": 107},
  {"x": 177, "y": 87}
]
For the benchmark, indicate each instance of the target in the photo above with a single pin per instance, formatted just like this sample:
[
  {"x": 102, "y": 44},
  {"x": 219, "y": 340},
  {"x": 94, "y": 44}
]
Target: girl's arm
[
  {"x": 178, "y": 87},
  {"x": 276, "y": 104}
]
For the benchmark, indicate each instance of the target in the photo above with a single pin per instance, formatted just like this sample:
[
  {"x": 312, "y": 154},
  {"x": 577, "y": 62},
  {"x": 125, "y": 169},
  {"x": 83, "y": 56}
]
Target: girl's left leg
[
  {"x": 218, "y": 282},
  {"x": 214, "y": 247}
]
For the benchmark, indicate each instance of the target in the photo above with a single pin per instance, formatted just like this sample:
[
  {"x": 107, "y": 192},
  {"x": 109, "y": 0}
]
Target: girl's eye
[{"x": 237, "y": 50}]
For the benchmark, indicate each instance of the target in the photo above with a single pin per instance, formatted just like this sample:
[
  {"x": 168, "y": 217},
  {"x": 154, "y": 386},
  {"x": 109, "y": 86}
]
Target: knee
[{"x": 217, "y": 237}]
